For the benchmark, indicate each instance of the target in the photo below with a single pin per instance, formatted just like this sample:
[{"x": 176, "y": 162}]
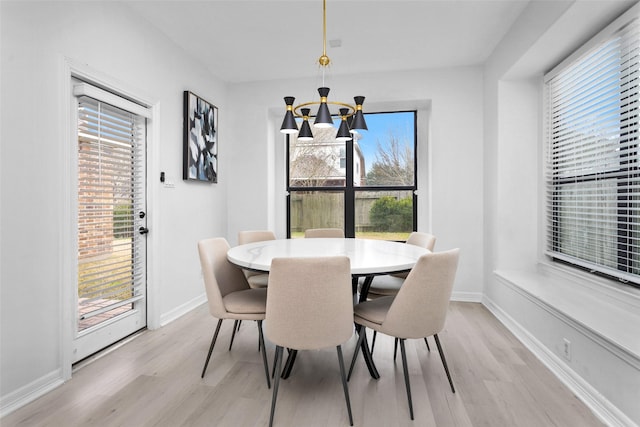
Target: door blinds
[
  {"x": 593, "y": 174},
  {"x": 110, "y": 192}
]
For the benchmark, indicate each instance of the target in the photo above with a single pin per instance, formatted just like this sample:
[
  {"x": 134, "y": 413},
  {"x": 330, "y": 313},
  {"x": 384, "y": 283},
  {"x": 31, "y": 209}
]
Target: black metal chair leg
[
  {"x": 264, "y": 353},
  {"x": 373, "y": 341},
  {"x": 427, "y": 343},
  {"x": 395, "y": 349},
  {"x": 213, "y": 343},
  {"x": 344, "y": 383},
  {"x": 273, "y": 372},
  {"x": 361, "y": 333},
  {"x": 233, "y": 334},
  {"x": 406, "y": 376},
  {"x": 278, "y": 364},
  {"x": 444, "y": 361},
  {"x": 291, "y": 359}
]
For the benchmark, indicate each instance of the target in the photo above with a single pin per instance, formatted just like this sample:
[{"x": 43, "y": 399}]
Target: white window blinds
[
  {"x": 592, "y": 171},
  {"x": 110, "y": 192}
]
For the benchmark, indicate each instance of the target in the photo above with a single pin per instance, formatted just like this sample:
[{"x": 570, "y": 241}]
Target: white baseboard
[
  {"x": 30, "y": 392},
  {"x": 181, "y": 310},
  {"x": 45, "y": 384},
  {"x": 601, "y": 407},
  {"x": 466, "y": 296}
]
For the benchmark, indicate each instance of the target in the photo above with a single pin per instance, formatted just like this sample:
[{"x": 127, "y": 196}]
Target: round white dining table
[{"x": 368, "y": 257}]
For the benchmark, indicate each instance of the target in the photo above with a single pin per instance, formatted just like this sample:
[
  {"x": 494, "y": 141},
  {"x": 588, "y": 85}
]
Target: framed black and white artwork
[{"x": 200, "y": 158}]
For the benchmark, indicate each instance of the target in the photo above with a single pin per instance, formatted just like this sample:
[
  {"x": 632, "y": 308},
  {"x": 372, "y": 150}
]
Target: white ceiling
[{"x": 243, "y": 40}]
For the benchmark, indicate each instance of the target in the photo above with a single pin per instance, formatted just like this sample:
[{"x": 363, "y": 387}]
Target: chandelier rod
[
  {"x": 324, "y": 59},
  {"x": 324, "y": 27}
]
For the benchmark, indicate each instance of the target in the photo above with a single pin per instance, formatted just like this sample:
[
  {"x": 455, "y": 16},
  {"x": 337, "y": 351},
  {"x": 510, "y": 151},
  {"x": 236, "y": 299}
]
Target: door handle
[{"x": 143, "y": 230}]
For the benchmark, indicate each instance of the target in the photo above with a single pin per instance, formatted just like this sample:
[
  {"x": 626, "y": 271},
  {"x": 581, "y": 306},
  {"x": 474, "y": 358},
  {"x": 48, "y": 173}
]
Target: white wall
[
  {"x": 450, "y": 146},
  {"x": 518, "y": 161},
  {"x": 106, "y": 37}
]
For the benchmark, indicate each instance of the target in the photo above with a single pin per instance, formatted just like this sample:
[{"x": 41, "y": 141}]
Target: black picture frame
[{"x": 200, "y": 139}]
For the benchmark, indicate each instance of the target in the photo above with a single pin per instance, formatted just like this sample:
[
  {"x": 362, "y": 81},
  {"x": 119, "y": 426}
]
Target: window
[
  {"x": 365, "y": 186},
  {"x": 343, "y": 158},
  {"x": 593, "y": 165}
]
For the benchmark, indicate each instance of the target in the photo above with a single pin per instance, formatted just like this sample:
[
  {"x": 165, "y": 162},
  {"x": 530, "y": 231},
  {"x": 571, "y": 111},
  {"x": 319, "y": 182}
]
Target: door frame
[{"x": 67, "y": 257}]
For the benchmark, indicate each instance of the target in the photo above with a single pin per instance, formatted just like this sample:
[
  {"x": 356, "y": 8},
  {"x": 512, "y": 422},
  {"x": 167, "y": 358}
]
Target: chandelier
[{"x": 352, "y": 119}]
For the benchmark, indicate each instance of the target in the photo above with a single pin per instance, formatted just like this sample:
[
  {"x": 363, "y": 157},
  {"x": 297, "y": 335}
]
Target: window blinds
[
  {"x": 110, "y": 192},
  {"x": 592, "y": 166}
]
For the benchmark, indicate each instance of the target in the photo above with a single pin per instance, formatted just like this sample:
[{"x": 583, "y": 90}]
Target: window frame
[
  {"x": 627, "y": 170},
  {"x": 349, "y": 190}
]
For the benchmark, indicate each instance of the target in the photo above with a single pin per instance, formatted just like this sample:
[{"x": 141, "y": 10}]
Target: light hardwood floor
[{"x": 154, "y": 380}]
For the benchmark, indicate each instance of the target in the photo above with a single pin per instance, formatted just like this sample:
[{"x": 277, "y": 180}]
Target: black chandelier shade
[
  {"x": 305, "y": 133},
  {"x": 358, "y": 118},
  {"x": 343, "y": 131},
  {"x": 289, "y": 123},
  {"x": 323, "y": 118}
]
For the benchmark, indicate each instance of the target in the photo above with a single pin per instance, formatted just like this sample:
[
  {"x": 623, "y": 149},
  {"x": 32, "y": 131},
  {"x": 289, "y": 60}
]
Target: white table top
[{"x": 367, "y": 256}]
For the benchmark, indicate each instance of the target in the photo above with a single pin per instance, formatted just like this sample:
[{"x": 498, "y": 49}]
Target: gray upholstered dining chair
[
  {"x": 324, "y": 232},
  {"x": 417, "y": 311},
  {"x": 309, "y": 306},
  {"x": 228, "y": 293},
  {"x": 390, "y": 284},
  {"x": 256, "y": 279}
]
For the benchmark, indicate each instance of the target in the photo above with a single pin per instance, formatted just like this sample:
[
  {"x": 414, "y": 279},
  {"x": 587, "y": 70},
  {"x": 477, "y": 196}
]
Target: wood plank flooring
[{"x": 154, "y": 380}]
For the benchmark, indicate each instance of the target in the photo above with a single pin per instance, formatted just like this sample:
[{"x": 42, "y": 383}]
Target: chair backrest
[
  {"x": 420, "y": 306},
  {"x": 220, "y": 276},
  {"x": 417, "y": 238},
  {"x": 324, "y": 232},
  {"x": 251, "y": 236},
  {"x": 309, "y": 302},
  {"x": 424, "y": 240}
]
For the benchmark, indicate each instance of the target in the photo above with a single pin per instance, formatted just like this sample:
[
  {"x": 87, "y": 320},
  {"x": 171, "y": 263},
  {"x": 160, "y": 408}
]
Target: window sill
[{"x": 608, "y": 310}]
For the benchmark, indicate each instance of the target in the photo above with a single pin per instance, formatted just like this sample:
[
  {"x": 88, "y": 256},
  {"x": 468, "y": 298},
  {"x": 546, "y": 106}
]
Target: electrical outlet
[{"x": 566, "y": 349}]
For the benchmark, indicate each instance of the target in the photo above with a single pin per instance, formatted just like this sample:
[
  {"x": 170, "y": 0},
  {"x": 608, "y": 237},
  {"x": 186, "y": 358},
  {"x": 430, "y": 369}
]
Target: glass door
[{"x": 111, "y": 225}]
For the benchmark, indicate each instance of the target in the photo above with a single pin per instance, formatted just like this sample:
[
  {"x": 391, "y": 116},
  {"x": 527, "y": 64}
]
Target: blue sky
[{"x": 380, "y": 125}]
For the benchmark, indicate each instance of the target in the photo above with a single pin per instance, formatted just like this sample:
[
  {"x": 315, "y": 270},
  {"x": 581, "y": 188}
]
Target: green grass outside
[
  {"x": 107, "y": 274},
  {"x": 378, "y": 235}
]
